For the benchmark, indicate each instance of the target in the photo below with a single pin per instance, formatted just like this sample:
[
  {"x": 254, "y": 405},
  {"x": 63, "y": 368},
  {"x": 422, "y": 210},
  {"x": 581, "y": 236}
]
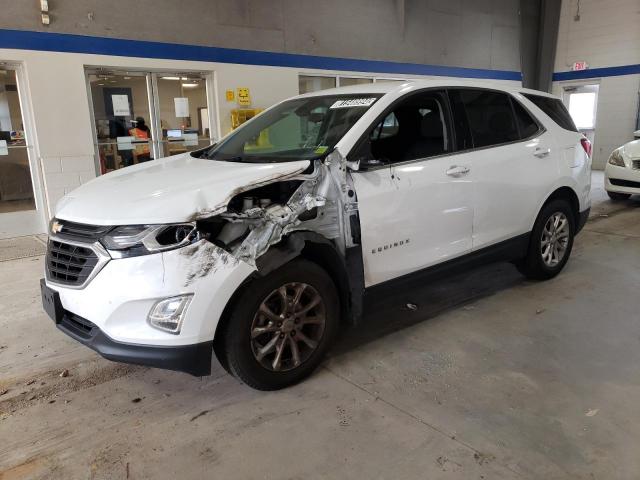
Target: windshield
[{"x": 299, "y": 129}]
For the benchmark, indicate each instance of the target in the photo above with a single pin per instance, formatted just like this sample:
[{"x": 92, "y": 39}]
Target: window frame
[
  {"x": 453, "y": 134},
  {"x": 541, "y": 128}
]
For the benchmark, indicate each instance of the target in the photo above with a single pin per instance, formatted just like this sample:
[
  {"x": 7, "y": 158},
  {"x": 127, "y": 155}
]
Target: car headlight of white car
[
  {"x": 616, "y": 158},
  {"x": 135, "y": 240}
]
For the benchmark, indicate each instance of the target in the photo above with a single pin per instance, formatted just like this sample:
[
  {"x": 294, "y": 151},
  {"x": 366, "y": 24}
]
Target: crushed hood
[
  {"x": 174, "y": 189},
  {"x": 632, "y": 149}
]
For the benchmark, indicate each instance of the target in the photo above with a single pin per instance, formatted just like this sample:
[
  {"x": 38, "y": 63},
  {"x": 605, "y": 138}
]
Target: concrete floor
[{"x": 491, "y": 377}]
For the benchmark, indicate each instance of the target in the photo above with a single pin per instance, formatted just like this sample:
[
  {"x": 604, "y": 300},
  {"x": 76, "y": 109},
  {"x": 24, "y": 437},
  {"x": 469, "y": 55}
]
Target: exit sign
[{"x": 579, "y": 66}]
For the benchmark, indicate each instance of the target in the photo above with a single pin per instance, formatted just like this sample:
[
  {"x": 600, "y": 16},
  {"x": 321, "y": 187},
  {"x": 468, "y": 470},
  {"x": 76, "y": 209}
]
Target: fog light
[{"x": 167, "y": 314}]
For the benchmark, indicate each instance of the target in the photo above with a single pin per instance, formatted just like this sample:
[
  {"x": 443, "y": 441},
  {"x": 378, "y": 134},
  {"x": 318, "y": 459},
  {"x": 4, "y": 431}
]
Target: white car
[
  {"x": 259, "y": 247},
  {"x": 622, "y": 172}
]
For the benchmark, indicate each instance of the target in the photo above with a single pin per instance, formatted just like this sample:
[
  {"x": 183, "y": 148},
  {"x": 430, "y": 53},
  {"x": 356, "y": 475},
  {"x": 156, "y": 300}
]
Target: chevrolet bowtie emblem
[{"x": 56, "y": 227}]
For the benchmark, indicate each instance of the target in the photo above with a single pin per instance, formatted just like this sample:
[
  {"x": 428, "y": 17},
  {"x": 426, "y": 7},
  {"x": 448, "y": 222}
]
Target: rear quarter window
[{"x": 555, "y": 109}]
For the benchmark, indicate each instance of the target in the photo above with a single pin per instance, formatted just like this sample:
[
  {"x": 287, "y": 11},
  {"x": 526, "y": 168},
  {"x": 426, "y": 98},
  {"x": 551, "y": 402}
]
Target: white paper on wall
[
  {"x": 120, "y": 105},
  {"x": 190, "y": 139},
  {"x": 182, "y": 106},
  {"x": 3, "y": 148}
]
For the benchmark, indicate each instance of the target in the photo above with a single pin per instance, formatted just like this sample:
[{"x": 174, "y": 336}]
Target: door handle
[
  {"x": 457, "y": 171},
  {"x": 541, "y": 153}
]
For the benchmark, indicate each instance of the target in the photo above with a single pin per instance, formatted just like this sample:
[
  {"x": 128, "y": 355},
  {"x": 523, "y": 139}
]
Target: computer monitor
[{"x": 174, "y": 133}]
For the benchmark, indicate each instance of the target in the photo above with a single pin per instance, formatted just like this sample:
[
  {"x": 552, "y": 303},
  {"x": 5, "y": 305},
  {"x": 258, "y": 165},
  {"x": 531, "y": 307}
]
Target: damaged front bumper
[{"x": 116, "y": 304}]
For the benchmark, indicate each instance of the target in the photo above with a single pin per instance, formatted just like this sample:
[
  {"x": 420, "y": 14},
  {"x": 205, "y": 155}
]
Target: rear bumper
[
  {"x": 582, "y": 219},
  {"x": 194, "y": 359}
]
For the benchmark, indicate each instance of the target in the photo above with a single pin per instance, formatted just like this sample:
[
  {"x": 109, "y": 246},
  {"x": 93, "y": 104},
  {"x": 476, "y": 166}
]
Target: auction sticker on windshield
[{"x": 353, "y": 102}]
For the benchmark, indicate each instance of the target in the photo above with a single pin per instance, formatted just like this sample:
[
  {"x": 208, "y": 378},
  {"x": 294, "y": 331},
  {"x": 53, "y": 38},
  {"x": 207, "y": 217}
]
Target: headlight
[
  {"x": 133, "y": 240},
  {"x": 616, "y": 158}
]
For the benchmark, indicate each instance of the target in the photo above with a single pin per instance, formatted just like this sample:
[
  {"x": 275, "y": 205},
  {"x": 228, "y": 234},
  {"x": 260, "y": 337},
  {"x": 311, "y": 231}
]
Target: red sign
[{"x": 579, "y": 66}]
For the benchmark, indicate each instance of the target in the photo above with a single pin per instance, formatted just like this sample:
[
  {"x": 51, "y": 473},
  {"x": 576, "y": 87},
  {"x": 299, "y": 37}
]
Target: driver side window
[{"x": 417, "y": 128}]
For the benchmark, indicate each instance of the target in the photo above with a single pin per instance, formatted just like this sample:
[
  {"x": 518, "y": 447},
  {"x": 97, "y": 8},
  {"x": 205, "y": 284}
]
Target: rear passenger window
[
  {"x": 555, "y": 109},
  {"x": 489, "y": 115},
  {"x": 526, "y": 124}
]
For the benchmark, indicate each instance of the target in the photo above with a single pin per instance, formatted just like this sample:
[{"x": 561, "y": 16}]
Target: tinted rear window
[
  {"x": 555, "y": 109},
  {"x": 489, "y": 116},
  {"x": 527, "y": 125}
]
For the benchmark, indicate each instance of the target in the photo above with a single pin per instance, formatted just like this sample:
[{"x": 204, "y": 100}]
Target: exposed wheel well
[
  {"x": 567, "y": 193},
  {"x": 320, "y": 252}
]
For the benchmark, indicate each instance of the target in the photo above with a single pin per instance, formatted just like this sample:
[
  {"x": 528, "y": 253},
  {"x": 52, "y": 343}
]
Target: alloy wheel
[
  {"x": 555, "y": 239},
  {"x": 288, "y": 327}
]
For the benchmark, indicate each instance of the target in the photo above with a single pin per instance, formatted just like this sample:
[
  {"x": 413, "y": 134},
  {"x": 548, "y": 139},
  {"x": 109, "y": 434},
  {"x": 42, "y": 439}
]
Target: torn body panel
[{"x": 323, "y": 203}]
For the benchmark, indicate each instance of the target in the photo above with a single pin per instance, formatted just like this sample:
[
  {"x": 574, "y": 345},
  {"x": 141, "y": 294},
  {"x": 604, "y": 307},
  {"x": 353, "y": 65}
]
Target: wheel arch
[
  {"x": 565, "y": 193},
  {"x": 308, "y": 245}
]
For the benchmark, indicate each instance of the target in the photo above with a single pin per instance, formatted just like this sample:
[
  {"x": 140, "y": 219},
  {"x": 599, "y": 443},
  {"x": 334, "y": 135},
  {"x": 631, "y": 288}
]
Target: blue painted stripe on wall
[
  {"x": 597, "y": 72},
  {"x": 63, "y": 42}
]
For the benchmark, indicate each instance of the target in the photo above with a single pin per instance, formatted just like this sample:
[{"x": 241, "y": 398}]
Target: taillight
[{"x": 586, "y": 144}]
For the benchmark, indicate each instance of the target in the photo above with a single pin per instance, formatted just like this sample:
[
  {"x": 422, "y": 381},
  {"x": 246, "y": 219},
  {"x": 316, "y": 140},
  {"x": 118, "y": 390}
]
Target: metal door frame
[{"x": 34, "y": 219}]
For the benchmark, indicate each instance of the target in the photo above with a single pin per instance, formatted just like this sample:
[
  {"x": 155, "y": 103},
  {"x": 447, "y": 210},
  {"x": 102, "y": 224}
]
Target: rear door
[
  {"x": 416, "y": 204},
  {"x": 512, "y": 159}
]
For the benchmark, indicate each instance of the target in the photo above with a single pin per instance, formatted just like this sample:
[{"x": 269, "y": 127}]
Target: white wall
[{"x": 607, "y": 35}]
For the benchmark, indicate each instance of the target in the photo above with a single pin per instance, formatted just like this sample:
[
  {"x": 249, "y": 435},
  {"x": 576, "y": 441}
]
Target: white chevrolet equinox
[{"x": 258, "y": 247}]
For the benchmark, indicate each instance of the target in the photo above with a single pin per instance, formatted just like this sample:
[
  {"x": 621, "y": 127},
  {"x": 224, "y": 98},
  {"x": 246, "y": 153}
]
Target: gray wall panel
[{"x": 464, "y": 33}]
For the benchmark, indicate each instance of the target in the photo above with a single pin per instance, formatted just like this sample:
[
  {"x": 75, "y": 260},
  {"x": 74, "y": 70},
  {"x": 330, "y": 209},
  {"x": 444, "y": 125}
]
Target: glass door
[
  {"x": 19, "y": 191},
  {"x": 139, "y": 116},
  {"x": 122, "y": 118},
  {"x": 182, "y": 112}
]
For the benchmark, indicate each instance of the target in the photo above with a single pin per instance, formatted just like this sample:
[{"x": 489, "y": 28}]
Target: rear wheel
[
  {"x": 551, "y": 241},
  {"x": 618, "y": 197},
  {"x": 281, "y": 326}
]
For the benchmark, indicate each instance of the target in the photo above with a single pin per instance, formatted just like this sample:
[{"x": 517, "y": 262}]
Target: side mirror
[
  {"x": 353, "y": 165},
  {"x": 636, "y": 134}
]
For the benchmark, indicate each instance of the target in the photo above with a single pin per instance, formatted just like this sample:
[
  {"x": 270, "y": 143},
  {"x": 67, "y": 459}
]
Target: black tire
[
  {"x": 618, "y": 197},
  {"x": 532, "y": 265},
  {"x": 235, "y": 346}
]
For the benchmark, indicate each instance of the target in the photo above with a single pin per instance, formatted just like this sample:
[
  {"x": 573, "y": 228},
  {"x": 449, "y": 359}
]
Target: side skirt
[{"x": 508, "y": 250}]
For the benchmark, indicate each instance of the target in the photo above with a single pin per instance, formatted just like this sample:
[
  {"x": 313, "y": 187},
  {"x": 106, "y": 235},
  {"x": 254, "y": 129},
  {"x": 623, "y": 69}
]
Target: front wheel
[
  {"x": 281, "y": 326},
  {"x": 618, "y": 197},
  {"x": 550, "y": 243}
]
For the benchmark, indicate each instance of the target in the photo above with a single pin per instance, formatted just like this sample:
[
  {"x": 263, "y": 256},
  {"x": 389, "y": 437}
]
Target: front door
[
  {"x": 416, "y": 204},
  {"x": 20, "y": 193}
]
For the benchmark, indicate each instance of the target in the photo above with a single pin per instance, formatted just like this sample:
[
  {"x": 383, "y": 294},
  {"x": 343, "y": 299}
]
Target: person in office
[{"x": 141, "y": 132}]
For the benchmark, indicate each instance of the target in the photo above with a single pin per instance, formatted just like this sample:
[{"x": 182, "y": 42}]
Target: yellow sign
[
  {"x": 244, "y": 98},
  {"x": 231, "y": 96}
]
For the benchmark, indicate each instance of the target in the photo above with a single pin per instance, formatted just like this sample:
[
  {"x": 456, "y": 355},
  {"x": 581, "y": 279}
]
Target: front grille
[
  {"x": 624, "y": 183},
  {"x": 635, "y": 164},
  {"x": 80, "y": 231},
  {"x": 69, "y": 264}
]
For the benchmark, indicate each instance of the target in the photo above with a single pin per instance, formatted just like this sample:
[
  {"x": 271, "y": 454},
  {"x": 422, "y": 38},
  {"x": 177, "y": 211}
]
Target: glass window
[
  {"x": 16, "y": 188},
  {"x": 416, "y": 129},
  {"x": 307, "y": 83},
  {"x": 489, "y": 115},
  {"x": 184, "y": 116},
  {"x": 555, "y": 109},
  {"x": 526, "y": 124},
  {"x": 346, "y": 81},
  {"x": 304, "y": 128},
  {"x": 582, "y": 108},
  {"x": 122, "y": 119}
]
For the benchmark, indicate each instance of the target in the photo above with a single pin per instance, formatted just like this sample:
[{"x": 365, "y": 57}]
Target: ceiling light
[
  {"x": 190, "y": 85},
  {"x": 170, "y": 78}
]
